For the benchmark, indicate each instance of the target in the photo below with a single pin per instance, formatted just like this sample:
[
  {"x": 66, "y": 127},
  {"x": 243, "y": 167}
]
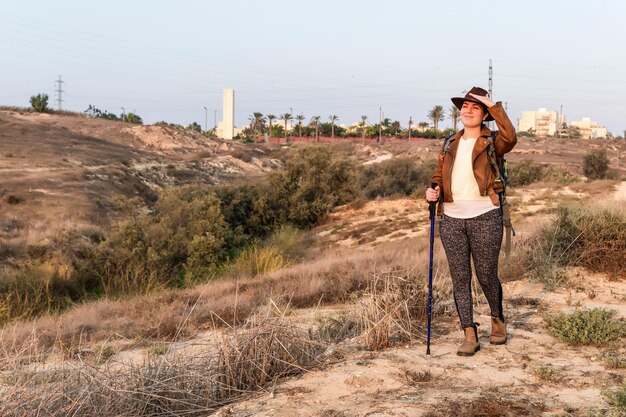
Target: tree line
[{"x": 278, "y": 126}]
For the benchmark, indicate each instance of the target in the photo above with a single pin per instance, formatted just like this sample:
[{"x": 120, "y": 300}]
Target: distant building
[
  {"x": 228, "y": 123},
  {"x": 542, "y": 122},
  {"x": 589, "y": 129}
]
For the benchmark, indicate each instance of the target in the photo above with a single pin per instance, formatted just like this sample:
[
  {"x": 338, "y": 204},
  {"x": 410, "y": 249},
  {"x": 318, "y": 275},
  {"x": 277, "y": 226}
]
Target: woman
[{"x": 472, "y": 220}]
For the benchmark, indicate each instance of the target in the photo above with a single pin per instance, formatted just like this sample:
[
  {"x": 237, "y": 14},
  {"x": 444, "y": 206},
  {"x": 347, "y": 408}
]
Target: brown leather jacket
[{"x": 505, "y": 140}]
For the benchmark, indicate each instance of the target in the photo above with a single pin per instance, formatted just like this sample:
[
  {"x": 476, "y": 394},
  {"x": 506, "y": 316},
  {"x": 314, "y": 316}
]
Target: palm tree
[
  {"x": 315, "y": 122},
  {"x": 270, "y": 117},
  {"x": 423, "y": 126},
  {"x": 454, "y": 115},
  {"x": 286, "y": 117},
  {"x": 256, "y": 121},
  {"x": 436, "y": 115},
  {"x": 410, "y": 124},
  {"x": 333, "y": 118},
  {"x": 395, "y": 125},
  {"x": 300, "y": 118},
  {"x": 363, "y": 119}
]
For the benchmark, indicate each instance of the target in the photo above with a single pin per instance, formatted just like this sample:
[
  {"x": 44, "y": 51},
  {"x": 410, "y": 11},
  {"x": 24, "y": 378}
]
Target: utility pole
[
  {"x": 59, "y": 92},
  {"x": 380, "y": 123},
  {"x": 205, "y": 118},
  {"x": 560, "y": 126},
  {"x": 490, "y": 124},
  {"x": 123, "y": 113},
  {"x": 490, "y": 79}
]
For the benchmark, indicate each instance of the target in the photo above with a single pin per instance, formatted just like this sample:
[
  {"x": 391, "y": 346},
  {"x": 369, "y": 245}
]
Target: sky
[{"x": 170, "y": 60}]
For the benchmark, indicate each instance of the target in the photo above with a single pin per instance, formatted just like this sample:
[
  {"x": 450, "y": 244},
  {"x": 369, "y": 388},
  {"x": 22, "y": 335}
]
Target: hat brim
[{"x": 458, "y": 102}]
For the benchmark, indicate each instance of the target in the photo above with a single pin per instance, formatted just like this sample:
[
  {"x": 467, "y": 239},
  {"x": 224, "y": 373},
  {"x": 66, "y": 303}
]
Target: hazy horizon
[{"x": 350, "y": 58}]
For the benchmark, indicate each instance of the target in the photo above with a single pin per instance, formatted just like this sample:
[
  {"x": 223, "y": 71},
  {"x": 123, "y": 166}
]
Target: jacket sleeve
[
  {"x": 437, "y": 176},
  {"x": 506, "y": 137}
]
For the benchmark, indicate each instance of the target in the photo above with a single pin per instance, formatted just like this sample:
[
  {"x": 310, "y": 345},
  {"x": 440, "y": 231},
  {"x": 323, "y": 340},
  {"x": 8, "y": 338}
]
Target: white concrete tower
[{"x": 228, "y": 126}]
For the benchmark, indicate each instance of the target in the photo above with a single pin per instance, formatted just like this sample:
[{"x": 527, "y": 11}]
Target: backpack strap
[
  {"x": 445, "y": 147},
  {"x": 500, "y": 186}
]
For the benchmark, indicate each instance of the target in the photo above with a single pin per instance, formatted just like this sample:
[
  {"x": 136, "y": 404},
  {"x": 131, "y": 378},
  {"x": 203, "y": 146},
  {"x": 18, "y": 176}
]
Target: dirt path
[
  {"x": 620, "y": 192},
  {"x": 532, "y": 375}
]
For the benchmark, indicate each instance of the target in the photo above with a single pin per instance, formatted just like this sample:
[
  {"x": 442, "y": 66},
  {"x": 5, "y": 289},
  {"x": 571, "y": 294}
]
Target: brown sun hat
[{"x": 458, "y": 101}]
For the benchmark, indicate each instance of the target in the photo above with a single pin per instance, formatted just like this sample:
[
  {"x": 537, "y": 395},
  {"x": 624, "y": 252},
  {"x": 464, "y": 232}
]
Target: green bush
[
  {"x": 558, "y": 174},
  {"x": 617, "y": 399},
  {"x": 587, "y": 327},
  {"x": 312, "y": 184},
  {"x": 52, "y": 278},
  {"x": 182, "y": 239},
  {"x": 245, "y": 208},
  {"x": 400, "y": 176},
  {"x": 39, "y": 103},
  {"x": 595, "y": 164},
  {"x": 524, "y": 172},
  {"x": 589, "y": 236}
]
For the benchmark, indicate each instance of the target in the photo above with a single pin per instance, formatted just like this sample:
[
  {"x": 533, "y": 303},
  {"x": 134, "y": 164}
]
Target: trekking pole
[{"x": 431, "y": 208}]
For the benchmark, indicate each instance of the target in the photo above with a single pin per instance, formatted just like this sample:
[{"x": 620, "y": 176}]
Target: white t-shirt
[{"x": 467, "y": 202}]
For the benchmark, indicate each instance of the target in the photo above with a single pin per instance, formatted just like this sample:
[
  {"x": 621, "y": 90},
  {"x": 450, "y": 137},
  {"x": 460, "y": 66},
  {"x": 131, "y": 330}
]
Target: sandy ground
[{"x": 405, "y": 382}]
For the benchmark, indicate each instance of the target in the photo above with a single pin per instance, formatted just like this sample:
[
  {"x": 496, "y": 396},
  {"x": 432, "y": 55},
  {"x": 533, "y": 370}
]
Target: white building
[
  {"x": 228, "y": 122},
  {"x": 542, "y": 122},
  {"x": 590, "y": 129}
]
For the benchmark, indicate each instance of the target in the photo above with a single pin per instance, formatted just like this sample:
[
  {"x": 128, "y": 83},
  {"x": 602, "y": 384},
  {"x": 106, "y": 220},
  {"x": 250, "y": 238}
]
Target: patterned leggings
[{"x": 481, "y": 238}]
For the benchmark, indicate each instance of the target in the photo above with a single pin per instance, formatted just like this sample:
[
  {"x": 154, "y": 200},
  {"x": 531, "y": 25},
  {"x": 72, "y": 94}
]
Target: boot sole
[
  {"x": 468, "y": 353},
  {"x": 498, "y": 343}
]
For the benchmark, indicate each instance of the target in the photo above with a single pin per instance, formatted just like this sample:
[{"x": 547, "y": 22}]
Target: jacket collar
[{"x": 479, "y": 146}]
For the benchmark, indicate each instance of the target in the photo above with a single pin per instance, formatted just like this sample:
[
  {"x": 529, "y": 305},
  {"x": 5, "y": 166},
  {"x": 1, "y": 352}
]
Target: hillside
[
  {"x": 59, "y": 172},
  {"x": 206, "y": 349}
]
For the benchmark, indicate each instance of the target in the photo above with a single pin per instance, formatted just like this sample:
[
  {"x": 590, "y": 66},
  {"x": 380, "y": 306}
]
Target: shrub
[
  {"x": 289, "y": 240},
  {"x": 557, "y": 173},
  {"x": 131, "y": 117},
  {"x": 589, "y": 236},
  {"x": 617, "y": 399},
  {"x": 613, "y": 360},
  {"x": 182, "y": 239},
  {"x": 548, "y": 373},
  {"x": 281, "y": 249},
  {"x": 587, "y": 327},
  {"x": 258, "y": 260},
  {"x": 527, "y": 171},
  {"x": 245, "y": 208},
  {"x": 311, "y": 185},
  {"x": 595, "y": 164},
  {"x": 399, "y": 176},
  {"x": 524, "y": 172},
  {"x": 39, "y": 103}
]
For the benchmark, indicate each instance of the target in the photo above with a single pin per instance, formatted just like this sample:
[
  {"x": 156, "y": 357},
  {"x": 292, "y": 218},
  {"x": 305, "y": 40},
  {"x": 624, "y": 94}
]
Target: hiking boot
[
  {"x": 498, "y": 331},
  {"x": 470, "y": 345}
]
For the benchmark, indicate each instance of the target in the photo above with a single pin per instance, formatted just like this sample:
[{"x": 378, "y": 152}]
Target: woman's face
[{"x": 472, "y": 114}]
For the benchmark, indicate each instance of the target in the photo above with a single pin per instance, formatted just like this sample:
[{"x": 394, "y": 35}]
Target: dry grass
[
  {"x": 176, "y": 314},
  {"x": 245, "y": 360},
  {"x": 392, "y": 310}
]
